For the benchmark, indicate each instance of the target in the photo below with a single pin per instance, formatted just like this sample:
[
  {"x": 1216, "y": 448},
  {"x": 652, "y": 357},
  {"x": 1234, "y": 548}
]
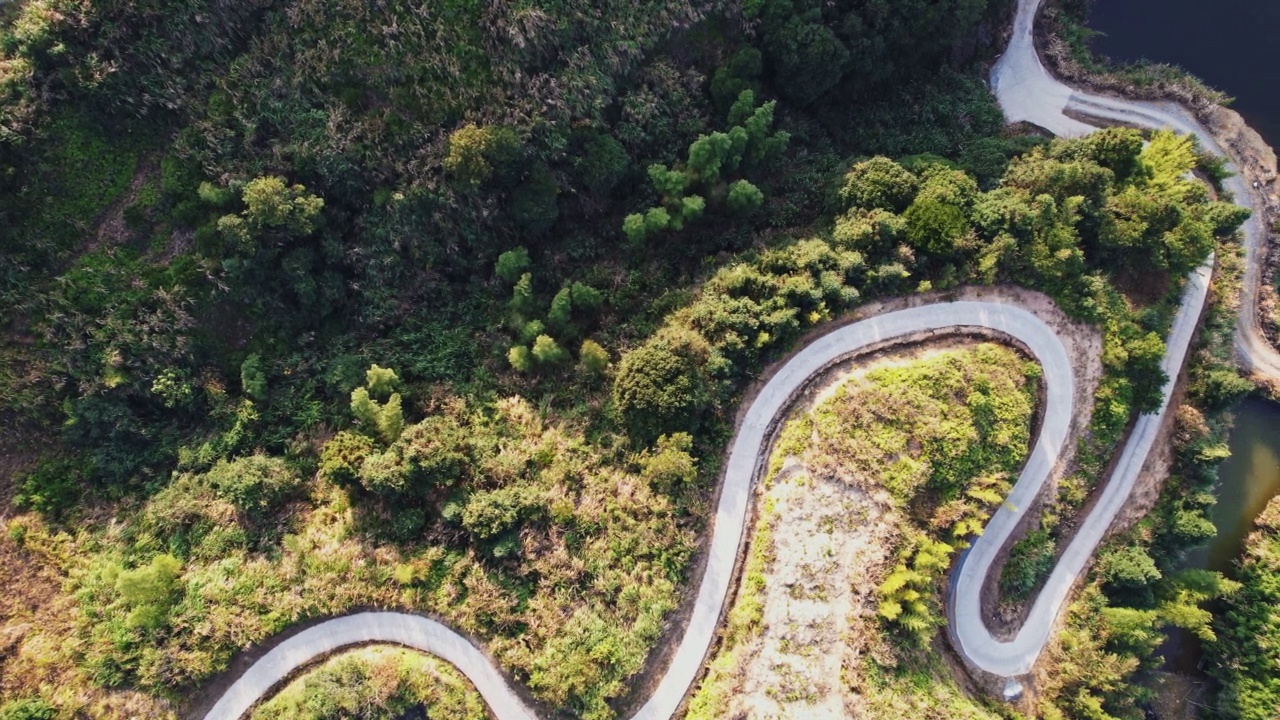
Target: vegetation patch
[
  {"x": 840, "y": 611},
  {"x": 376, "y": 683}
]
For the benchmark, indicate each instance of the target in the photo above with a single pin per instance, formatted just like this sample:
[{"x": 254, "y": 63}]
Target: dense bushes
[
  {"x": 1044, "y": 226},
  {"x": 1247, "y": 645},
  {"x": 376, "y": 684}
]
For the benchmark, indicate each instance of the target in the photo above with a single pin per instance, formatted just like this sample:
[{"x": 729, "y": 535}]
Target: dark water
[
  {"x": 1227, "y": 43},
  {"x": 1247, "y": 481}
]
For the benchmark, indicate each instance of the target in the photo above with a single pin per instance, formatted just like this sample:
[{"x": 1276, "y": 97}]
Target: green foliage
[
  {"x": 547, "y": 352},
  {"x": 270, "y": 203},
  {"x": 384, "y": 420},
  {"x": 512, "y": 264},
  {"x": 491, "y": 513},
  {"x": 52, "y": 487},
  {"x": 744, "y": 198},
  {"x": 381, "y": 381},
  {"x": 669, "y": 465},
  {"x": 1245, "y": 647},
  {"x": 1030, "y": 561},
  {"x": 879, "y": 183},
  {"x": 533, "y": 202},
  {"x": 27, "y": 709},
  {"x": 522, "y": 296},
  {"x": 560, "y": 316},
  {"x": 476, "y": 153},
  {"x": 604, "y": 162},
  {"x": 255, "y": 484},
  {"x": 149, "y": 592},
  {"x": 752, "y": 143},
  {"x": 520, "y": 358},
  {"x": 593, "y": 358},
  {"x": 375, "y": 684},
  {"x": 253, "y": 378},
  {"x": 343, "y": 456},
  {"x": 662, "y": 386}
]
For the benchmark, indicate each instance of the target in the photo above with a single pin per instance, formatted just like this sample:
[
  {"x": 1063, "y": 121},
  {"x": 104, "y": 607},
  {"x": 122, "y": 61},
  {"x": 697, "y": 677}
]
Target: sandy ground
[{"x": 830, "y": 554}]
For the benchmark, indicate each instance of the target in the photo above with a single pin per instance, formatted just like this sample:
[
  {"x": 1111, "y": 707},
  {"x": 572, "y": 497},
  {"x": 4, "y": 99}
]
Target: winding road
[{"x": 1027, "y": 92}]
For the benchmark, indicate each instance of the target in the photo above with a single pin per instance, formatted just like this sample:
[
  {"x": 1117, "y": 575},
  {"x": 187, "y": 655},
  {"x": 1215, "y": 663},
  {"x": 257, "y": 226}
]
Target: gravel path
[{"x": 1027, "y": 92}]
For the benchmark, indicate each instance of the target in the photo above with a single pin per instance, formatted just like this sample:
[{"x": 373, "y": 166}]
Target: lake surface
[
  {"x": 1226, "y": 43},
  {"x": 1246, "y": 482}
]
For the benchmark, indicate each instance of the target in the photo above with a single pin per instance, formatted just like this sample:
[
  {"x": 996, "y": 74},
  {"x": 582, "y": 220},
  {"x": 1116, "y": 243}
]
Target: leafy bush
[
  {"x": 255, "y": 484},
  {"x": 662, "y": 386},
  {"x": 28, "y": 709}
]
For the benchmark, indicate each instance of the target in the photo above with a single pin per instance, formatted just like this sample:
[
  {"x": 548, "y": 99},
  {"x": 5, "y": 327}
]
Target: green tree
[
  {"x": 522, "y": 296},
  {"x": 435, "y": 452},
  {"x": 475, "y": 153},
  {"x": 384, "y": 420},
  {"x": 342, "y": 457},
  {"x": 512, "y": 264},
  {"x": 808, "y": 59},
  {"x": 520, "y": 358},
  {"x": 546, "y": 351},
  {"x": 635, "y": 228},
  {"x": 380, "y": 381},
  {"x": 602, "y": 164},
  {"x": 586, "y": 298},
  {"x": 662, "y": 386},
  {"x": 744, "y": 198},
  {"x": 593, "y": 358},
  {"x": 560, "y": 316},
  {"x": 670, "y": 463},
  {"x": 254, "y": 484},
  {"x": 149, "y": 592},
  {"x": 533, "y": 203},
  {"x": 269, "y": 202},
  {"x": 491, "y": 513},
  {"x": 385, "y": 474},
  {"x": 879, "y": 183},
  {"x": 253, "y": 378}
]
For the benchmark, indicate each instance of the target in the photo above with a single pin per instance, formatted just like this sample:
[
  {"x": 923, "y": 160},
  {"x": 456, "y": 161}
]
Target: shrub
[
  {"x": 662, "y": 386},
  {"x": 593, "y": 358},
  {"x": 491, "y": 513},
  {"x": 435, "y": 451},
  {"x": 744, "y": 198},
  {"x": 520, "y": 358},
  {"x": 27, "y": 709},
  {"x": 149, "y": 592},
  {"x": 1030, "y": 561},
  {"x": 669, "y": 464},
  {"x": 343, "y": 456},
  {"x": 879, "y": 183},
  {"x": 253, "y": 484},
  {"x": 253, "y": 378},
  {"x": 512, "y": 264},
  {"x": 546, "y": 351}
]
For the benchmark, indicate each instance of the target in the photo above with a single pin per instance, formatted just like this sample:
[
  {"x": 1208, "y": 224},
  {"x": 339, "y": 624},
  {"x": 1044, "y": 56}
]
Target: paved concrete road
[
  {"x": 1027, "y": 92},
  {"x": 745, "y": 459}
]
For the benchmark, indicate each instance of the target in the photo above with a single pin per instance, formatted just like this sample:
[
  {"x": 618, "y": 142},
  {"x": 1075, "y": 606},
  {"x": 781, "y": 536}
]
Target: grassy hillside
[{"x": 317, "y": 305}]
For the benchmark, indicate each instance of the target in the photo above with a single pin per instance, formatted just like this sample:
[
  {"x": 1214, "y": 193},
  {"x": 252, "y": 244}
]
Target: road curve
[
  {"x": 745, "y": 460},
  {"x": 1026, "y": 92}
]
